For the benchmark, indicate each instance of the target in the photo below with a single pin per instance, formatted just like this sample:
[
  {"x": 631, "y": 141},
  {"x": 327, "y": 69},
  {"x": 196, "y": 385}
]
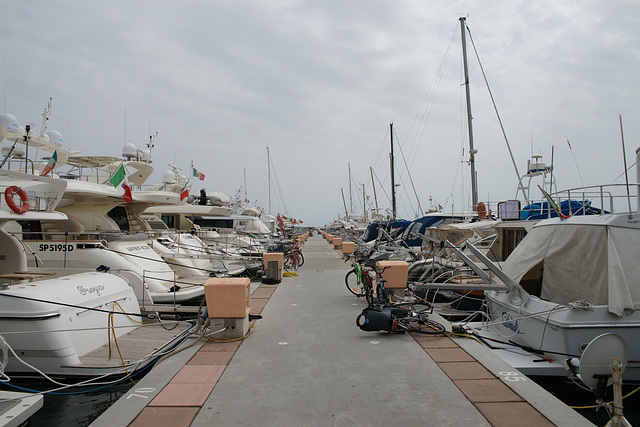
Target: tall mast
[
  {"x": 375, "y": 197},
  {"x": 350, "y": 197},
  {"x": 346, "y": 214},
  {"x": 364, "y": 204},
  {"x": 269, "y": 177},
  {"x": 393, "y": 178},
  {"x": 472, "y": 151}
]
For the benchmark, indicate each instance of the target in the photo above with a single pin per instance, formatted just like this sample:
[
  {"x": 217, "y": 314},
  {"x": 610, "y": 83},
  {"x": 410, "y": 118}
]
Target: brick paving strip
[
  {"x": 500, "y": 405},
  {"x": 180, "y": 401}
]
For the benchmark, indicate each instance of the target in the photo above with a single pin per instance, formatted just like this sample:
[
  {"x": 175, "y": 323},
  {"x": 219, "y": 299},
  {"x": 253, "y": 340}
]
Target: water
[{"x": 80, "y": 407}]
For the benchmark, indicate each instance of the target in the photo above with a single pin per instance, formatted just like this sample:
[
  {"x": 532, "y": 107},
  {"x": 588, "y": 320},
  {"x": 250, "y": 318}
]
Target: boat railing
[
  {"x": 612, "y": 198},
  {"x": 591, "y": 200}
]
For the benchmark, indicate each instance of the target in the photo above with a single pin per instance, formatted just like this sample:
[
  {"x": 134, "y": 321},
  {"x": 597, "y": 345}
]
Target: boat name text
[
  {"x": 57, "y": 247},
  {"x": 509, "y": 323},
  {"x": 90, "y": 290},
  {"x": 137, "y": 248}
]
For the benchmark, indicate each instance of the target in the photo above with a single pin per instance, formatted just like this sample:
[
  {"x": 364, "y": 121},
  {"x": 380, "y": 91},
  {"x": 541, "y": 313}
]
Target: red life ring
[
  {"x": 8, "y": 197},
  {"x": 482, "y": 210}
]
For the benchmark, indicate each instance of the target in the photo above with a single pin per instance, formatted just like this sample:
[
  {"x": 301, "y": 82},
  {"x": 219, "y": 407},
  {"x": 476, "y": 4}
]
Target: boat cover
[{"x": 595, "y": 263}]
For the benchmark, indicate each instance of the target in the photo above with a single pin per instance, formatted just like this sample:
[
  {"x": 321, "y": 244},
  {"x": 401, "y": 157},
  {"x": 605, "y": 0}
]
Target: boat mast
[
  {"x": 364, "y": 204},
  {"x": 350, "y": 196},
  {"x": 269, "y": 177},
  {"x": 472, "y": 151},
  {"x": 375, "y": 196},
  {"x": 393, "y": 181},
  {"x": 346, "y": 214}
]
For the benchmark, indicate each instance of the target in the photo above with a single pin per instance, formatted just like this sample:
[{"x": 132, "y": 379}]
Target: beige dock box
[
  {"x": 348, "y": 248},
  {"x": 395, "y": 274},
  {"x": 228, "y": 297},
  {"x": 273, "y": 256},
  {"x": 337, "y": 243}
]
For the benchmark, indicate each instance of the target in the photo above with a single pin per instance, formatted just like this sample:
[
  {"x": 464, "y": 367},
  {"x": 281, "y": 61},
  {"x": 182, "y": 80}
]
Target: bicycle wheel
[
  {"x": 300, "y": 259},
  {"x": 353, "y": 284},
  {"x": 290, "y": 262},
  {"x": 368, "y": 289},
  {"x": 420, "y": 306},
  {"x": 422, "y": 325}
]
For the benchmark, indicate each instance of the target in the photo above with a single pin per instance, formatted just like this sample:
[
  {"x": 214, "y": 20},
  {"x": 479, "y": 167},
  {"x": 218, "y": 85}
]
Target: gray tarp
[{"x": 595, "y": 263}]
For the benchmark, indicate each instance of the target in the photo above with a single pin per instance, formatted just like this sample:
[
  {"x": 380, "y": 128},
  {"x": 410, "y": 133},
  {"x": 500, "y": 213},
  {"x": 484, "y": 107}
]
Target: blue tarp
[{"x": 540, "y": 210}]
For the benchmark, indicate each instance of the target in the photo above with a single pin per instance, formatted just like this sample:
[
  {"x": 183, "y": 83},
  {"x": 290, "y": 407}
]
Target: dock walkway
[{"x": 306, "y": 363}]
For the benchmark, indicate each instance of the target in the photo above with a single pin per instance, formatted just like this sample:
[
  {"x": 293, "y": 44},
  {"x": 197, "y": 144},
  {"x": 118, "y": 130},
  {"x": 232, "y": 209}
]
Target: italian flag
[
  {"x": 185, "y": 192},
  {"x": 198, "y": 174},
  {"x": 51, "y": 164},
  {"x": 119, "y": 179}
]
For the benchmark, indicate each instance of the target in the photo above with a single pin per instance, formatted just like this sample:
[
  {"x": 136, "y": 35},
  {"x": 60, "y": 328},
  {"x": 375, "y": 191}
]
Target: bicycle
[
  {"x": 359, "y": 281},
  {"x": 293, "y": 258}
]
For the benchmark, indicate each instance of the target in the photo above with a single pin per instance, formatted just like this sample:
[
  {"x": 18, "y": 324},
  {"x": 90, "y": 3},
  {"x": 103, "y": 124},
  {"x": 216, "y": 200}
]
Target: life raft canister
[
  {"x": 8, "y": 197},
  {"x": 482, "y": 210}
]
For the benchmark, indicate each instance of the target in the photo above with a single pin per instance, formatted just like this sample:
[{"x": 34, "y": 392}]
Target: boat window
[
  {"x": 31, "y": 230},
  {"x": 532, "y": 280},
  {"x": 510, "y": 239},
  {"x": 169, "y": 220},
  {"x": 213, "y": 222},
  {"x": 119, "y": 215}
]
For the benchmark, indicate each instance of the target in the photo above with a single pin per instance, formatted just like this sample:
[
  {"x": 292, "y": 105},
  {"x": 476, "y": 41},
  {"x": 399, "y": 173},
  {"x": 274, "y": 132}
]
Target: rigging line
[
  {"x": 273, "y": 170},
  {"x": 575, "y": 161},
  {"x": 382, "y": 146},
  {"x": 410, "y": 178},
  {"x": 495, "y": 108},
  {"x": 430, "y": 99},
  {"x": 381, "y": 186},
  {"x": 148, "y": 316}
]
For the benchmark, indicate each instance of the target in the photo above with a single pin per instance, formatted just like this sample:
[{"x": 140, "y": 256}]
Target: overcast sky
[{"x": 318, "y": 82}]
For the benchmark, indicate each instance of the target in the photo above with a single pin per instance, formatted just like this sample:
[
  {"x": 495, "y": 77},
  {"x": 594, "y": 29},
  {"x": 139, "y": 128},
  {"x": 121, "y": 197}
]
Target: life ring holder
[
  {"x": 482, "y": 210},
  {"x": 8, "y": 197}
]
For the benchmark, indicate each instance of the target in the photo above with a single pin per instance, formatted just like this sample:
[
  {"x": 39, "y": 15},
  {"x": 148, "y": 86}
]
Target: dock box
[
  {"x": 337, "y": 243},
  {"x": 348, "y": 248},
  {"x": 395, "y": 274},
  {"x": 273, "y": 256},
  {"x": 228, "y": 297}
]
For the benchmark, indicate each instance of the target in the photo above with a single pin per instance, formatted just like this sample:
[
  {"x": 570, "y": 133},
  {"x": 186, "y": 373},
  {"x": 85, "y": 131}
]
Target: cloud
[{"x": 319, "y": 83}]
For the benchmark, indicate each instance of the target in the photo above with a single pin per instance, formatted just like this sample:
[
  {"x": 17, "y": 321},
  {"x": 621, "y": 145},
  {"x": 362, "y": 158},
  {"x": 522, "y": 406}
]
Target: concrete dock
[{"x": 306, "y": 363}]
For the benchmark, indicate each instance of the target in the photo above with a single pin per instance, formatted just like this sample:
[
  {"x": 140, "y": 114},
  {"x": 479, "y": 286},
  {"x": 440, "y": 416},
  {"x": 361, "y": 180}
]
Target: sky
[{"x": 319, "y": 82}]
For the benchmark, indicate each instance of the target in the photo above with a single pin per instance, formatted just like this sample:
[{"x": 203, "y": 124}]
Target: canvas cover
[{"x": 591, "y": 262}]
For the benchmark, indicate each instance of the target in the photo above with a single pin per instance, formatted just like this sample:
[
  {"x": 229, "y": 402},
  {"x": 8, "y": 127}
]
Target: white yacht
[{"x": 49, "y": 319}]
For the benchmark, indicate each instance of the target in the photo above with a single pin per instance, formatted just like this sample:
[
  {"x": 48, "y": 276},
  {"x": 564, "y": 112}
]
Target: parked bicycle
[
  {"x": 359, "y": 280},
  {"x": 293, "y": 257}
]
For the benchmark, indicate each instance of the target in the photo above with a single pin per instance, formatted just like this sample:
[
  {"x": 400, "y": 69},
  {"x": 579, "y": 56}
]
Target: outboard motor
[{"x": 382, "y": 319}]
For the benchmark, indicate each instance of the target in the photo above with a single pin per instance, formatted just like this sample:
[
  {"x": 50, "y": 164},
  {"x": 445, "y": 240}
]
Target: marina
[
  {"x": 305, "y": 363},
  {"x": 151, "y": 272}
]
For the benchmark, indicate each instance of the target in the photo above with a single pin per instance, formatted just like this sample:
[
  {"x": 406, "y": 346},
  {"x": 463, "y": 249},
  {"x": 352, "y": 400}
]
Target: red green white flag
[
  {"x": 198, "y": 174},
  {"x": 51, "y": 164}
]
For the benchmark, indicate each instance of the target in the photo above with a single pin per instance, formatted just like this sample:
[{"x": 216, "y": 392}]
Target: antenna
[
  {"x": 626, "y": 175},
  {"x": 574, "y": 158}
]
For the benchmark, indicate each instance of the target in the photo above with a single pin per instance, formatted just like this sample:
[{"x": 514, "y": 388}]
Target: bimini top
[{"x": 591, "y": 258}]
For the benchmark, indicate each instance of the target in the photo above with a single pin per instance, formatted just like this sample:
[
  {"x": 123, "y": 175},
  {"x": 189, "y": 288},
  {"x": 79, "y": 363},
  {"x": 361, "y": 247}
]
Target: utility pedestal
[{"x": 228, "y": 304}]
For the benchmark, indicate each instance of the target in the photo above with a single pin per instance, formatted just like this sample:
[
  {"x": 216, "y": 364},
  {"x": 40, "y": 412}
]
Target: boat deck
[{"x": 306, "y": 363}]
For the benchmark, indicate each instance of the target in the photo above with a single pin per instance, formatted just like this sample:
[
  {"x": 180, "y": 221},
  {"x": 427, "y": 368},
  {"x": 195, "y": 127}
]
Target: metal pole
[
  {"x": 472, "y": 151},
  {"x": 393, "y": 179},
  {"x": 269, "y": 177}
]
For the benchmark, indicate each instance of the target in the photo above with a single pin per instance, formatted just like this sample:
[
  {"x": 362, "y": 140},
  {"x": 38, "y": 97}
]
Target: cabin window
[
  {"x": 532, "y": 280},
  {"x": 119, "y": 215},
  {"x": 213, "y": 222},
  {"x": 31, "y": 230},
  {"x": 510, "y": 239},
  {"x": 169, "y": 220}
]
